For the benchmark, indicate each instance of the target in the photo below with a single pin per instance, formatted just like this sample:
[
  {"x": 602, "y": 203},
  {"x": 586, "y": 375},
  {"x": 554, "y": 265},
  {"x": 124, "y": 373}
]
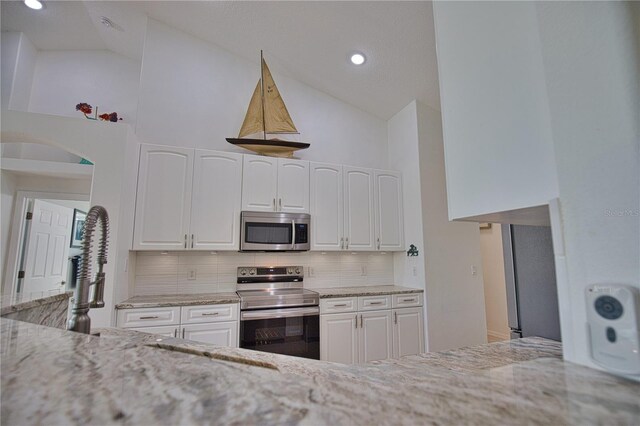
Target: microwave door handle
[{"x": 293, "y": 234}]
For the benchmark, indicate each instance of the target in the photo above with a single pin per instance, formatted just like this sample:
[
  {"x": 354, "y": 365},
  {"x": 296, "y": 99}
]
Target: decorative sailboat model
[{"x": 267, "y": 115}]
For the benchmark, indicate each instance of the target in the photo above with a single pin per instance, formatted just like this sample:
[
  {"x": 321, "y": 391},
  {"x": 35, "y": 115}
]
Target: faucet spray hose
[{"x": 95, "y": 213}]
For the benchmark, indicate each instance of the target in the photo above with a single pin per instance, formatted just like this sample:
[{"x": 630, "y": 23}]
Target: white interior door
[
  {"x": 45, "y": 263},
  {"x": 215, "y": 211},
  {"x": 327, "y": 214},
  {"x": 293, "y": 186}
]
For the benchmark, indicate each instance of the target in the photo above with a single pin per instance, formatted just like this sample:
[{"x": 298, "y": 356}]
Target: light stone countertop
[
  {"x": 52, "y": 376},
  {"x": 34, "y": 303},
  {"x": 378, "y": 290},
  {"x": 156, "y": 301}
]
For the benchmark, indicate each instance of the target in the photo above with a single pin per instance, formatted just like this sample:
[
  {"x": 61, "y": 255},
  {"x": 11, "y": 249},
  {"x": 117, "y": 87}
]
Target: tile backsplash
[{"x": 204, "y": 272}]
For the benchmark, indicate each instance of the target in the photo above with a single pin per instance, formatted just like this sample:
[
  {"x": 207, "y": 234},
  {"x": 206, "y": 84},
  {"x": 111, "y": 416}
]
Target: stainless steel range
[{"x": 276, "y": 313}]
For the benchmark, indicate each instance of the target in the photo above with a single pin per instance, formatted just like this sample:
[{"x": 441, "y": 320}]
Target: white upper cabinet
[
  {"x": 187, "y": 199},
  {"x": 389, "y": 211},
  {"x": 327, "y": 213},
  {"x": 259, "y": 183},
  {"x": 293, "y": 186},
  {"x": 163, "y": 203},
  {"x": 358, "y": 209},
  {"x": 215, "y": 212}
]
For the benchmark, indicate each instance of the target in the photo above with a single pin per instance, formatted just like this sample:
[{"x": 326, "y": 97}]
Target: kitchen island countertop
[{"x": 52, "y": 376}]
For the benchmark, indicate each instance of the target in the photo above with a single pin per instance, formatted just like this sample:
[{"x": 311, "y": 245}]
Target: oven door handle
[{"x": 279, "y": 313}]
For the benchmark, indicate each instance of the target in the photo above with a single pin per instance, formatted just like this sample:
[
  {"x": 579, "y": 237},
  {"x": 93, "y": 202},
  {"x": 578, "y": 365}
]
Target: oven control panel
[{"x": 270, "y": 272}]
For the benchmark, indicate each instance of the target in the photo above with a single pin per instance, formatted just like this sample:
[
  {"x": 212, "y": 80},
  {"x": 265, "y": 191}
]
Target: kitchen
[{"x": 368, "y": 148}]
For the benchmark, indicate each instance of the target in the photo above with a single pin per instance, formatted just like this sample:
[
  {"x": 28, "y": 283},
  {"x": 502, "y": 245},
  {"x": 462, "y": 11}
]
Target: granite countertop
[
  {"x": 378, "y": 290},
  {"x": 156, "y": 301},
  {"x": 52, "y": 376},
  {"x": 35, "y": 303}
]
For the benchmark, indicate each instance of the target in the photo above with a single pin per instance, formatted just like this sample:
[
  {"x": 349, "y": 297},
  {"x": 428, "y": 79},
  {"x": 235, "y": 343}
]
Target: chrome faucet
[{"x": 80, "y": 320}]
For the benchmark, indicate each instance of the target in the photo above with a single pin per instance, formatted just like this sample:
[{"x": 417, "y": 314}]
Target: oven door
[{"x": 289, "y": 331}]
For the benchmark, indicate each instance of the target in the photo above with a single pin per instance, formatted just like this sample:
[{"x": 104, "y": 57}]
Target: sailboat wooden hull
[{"x": 270, "y": 147}]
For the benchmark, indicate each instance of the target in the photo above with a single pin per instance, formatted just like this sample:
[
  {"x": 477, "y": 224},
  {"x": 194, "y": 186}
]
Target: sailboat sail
[
  {"x": 253, "y": 123},
  {"x": 276, "y": 116}
]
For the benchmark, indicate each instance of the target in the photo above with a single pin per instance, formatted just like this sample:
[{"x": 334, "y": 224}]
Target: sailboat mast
[{"x": 264, "y": 125}]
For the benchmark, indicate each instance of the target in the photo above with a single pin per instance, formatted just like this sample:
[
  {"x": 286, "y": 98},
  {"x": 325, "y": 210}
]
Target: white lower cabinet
[
  {"x": 365, "y": 335},
  {"x": 408, "y": 332},
  {"x": 375, "y": 336},
  {"x": 339, "y": 338},
  {"x": 216, "y": 324},
  {"x": 217, "y": 333}
]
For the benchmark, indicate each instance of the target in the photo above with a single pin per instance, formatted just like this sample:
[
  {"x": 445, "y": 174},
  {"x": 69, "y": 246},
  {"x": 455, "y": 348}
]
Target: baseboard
[{"x": 496, "y": 336}]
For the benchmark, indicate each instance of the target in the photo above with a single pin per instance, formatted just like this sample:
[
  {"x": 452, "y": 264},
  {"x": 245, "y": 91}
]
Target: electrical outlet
[
  {"x": 312, "y": 272},
  {"x": 474, "y": 270},
  {"x": 415, "y": 271},
  {"x": 363, "y": 270},
  {"x": 192, "y": 274}
]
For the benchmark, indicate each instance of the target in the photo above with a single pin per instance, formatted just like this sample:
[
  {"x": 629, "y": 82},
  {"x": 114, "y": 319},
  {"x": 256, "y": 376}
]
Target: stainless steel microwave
[{"x": 274, "y": 231}]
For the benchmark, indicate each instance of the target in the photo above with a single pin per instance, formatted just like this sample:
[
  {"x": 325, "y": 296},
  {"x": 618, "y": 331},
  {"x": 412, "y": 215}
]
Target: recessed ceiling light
[
  {"x": 33, "y": 4},
  {"x": 358, "y": 59}
]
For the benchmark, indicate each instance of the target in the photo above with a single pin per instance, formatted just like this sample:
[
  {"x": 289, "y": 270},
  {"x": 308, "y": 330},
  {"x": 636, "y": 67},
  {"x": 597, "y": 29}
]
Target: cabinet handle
[
  {"x": 207, "y": 314},
  {"x": 356, "y": 320},
  {"x": 185, "y": 240},
  {"x": 408, "y": 300},
  {"x": 378, "y": 243},
  {"x": 342, "y": 243},
  {"x": 347, "y": 242},
  {"x": 280, "y": 203},
  {"x": 192, "y": 240},
  {"x": 175, "y": 332},
  {"x": 342, "y": 305},
  {"x": 183, "y": 330},
  {"x": 361, "y": 322},
  {"x": 376, "y": 303},
  {"x": 395, "y": 317},
  {"x": 150, "y": 317},
  {"x": 274, "y": 205}
]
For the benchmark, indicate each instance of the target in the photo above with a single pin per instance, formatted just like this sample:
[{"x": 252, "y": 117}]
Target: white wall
[
  {"x": 591, "y": 57},
  {"x": 18, "y": 63},
  {"x": 195, "y": 94},
  {"x": 62, "y": 79},
  {"x": 498, "y": 143},
  {"x": 455, "y": 297},
  {"x": 402, "y": 134},
  {"x": 495, "y": 290}
]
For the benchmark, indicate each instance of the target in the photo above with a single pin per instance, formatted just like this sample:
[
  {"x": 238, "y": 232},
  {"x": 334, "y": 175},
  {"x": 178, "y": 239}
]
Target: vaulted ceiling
[{"x": 310, "y": 41}]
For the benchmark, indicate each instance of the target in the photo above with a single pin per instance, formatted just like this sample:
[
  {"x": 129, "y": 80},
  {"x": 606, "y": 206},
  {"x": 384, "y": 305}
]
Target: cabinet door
[
  {"x": 327, "y": 213},
  {"x": 389, "y": 212},
  {"x": 163, "y": 201},
  {"x": 259, "y": 183},
  {"x": 166, "y": 331},
  {"x": 375, "y": 336},
  {"x": 359, "y": 220},
  {"x": 216, "y": 201},
  {"x": 293, "y": 186},
  {"x": 408, "y": 332},
  {"x": 339, "y": 338},
  {"x": 219, "y": 333}
]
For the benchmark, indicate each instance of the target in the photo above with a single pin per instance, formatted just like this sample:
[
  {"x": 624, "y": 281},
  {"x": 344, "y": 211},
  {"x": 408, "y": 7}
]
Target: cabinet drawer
[
  {"x": 163, "y": 330},
  {"x": 407, "y": 300},
  {"x": 145, "y": 317},
  {"x": 374, "y": 303},
  {"x": 209, "y": 313},
  {"x": 336, "y": 306}
]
